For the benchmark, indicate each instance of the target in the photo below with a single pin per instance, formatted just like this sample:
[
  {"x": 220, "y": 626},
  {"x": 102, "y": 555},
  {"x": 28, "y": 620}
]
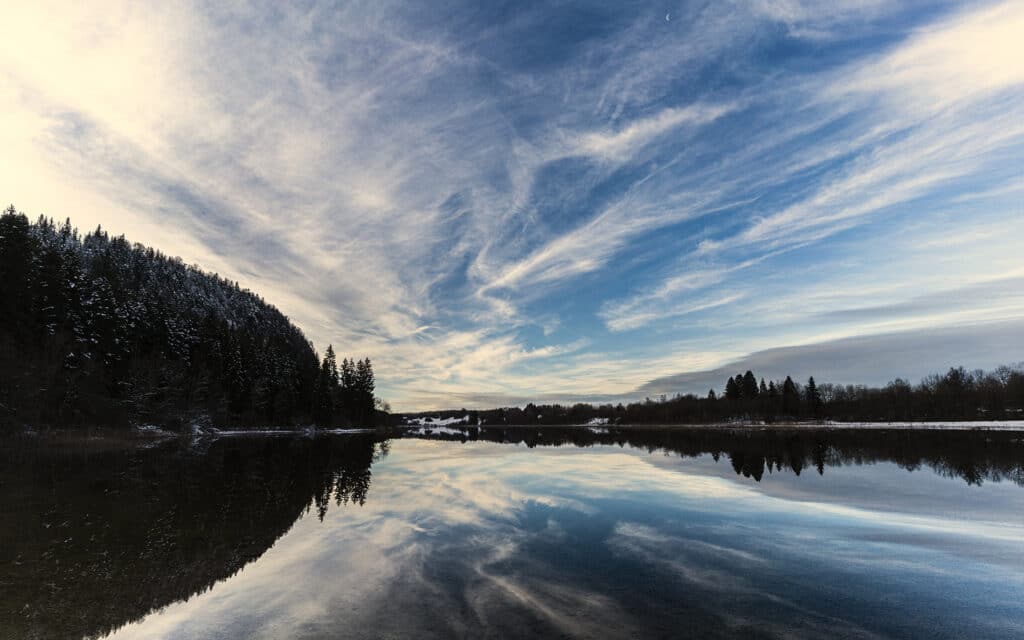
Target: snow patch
[
  {"x": 952, "y": 425},
  {"x": 438, "y": 422},
  {"x": 309, "y": 432},
  {"x": 435, "y": 431},
  {"x": 153, "y": 430}
]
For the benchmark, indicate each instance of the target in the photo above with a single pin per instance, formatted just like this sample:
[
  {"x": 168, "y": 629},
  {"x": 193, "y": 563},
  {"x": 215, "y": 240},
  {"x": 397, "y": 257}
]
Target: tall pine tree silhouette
[{"x": 790, "y": 398}]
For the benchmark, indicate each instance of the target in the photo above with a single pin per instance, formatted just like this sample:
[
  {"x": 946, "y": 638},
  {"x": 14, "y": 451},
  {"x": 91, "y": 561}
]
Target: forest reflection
[
  {"x": 95, "y": 535},
  {"x": 974, "y": 456}
]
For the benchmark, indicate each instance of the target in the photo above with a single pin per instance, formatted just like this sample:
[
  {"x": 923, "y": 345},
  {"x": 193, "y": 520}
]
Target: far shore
[
  {"x": 949, "y": 425},
  {"x": 94, "y": 437}
]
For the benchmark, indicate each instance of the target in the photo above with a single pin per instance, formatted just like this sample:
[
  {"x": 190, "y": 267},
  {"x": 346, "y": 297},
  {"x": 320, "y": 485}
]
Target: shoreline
[
  {"x": 105, "y": 437},
  {"x": 938, "y": 425}
]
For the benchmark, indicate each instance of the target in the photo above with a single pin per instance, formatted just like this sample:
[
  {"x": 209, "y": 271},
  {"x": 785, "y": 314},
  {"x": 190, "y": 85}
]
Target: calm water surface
[{"x": 624, "y": 534}]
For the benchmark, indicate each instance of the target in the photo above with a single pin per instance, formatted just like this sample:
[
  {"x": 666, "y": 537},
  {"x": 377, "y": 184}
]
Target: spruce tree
[
  {"x": 748, "y": 386},
  {"x": 790, "y": 398},
  {"x": 364, "y": 388},
  {"x": 348, "y": 385},
  {"x": 732, "y": 389},
  {"x": 772, "y": 402},
  {"x": 324, "y": 411},
  {"x": 331, "y": 364},
  {"x": 813, "y": 398}
]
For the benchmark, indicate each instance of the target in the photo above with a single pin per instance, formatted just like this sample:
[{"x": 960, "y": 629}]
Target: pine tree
[
  {"x": 364, "y": 387},
  {"x": 732, "y": 389},
  {"x": 348, "y": 389},
  {"x": 813, "y": 398},
  {"x": 748, "y": 386},
  {"x": 18, "y": 250},
  {"x": 326, "y": 390},
  {"x": 331, "y": 364},
  {"x": 772, "y": 402},
  {"x": 790, "y": 398}
]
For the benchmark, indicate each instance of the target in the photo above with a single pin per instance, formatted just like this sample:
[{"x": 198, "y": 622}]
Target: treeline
[
  {"x": 95, "y": 330},
  {"x": 956, "y": 395},
  {"x": 344, "y": 394}
]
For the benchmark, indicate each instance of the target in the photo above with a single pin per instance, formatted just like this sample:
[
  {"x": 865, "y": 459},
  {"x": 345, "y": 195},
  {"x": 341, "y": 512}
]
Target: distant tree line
[
  {"x": 95, "y": 330},
  {"x": 958, "y": 394}
]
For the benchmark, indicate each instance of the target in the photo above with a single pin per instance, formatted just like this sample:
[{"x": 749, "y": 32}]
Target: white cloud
[
  {"x": 960, "y": 59},
  {"x": 622, "y": 143},
  {"x": 919, "y": 122}
]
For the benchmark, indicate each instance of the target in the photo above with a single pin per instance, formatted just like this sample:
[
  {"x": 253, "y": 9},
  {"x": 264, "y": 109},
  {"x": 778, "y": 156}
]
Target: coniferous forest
[{"x": 97, "y": 331}]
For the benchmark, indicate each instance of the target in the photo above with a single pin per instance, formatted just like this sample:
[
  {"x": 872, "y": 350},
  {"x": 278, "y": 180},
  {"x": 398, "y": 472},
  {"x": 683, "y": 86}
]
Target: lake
[{"x": 516, "y": 532}]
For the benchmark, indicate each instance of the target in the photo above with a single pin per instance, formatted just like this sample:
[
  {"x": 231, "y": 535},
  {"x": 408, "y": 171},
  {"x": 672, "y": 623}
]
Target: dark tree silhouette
[
  {"x": 748, "y": 386},
  {"x": 813, "y": 399},
  {"x": 732, "y": 390},
  {"x": 97, "y": 331},
  {"x": 993, "y": 395},
  {"x": 790, "y": 398}
]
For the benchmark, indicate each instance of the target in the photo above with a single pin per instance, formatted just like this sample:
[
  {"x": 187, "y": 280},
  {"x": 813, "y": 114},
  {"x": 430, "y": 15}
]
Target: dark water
[{"x": 517, "y": 533}]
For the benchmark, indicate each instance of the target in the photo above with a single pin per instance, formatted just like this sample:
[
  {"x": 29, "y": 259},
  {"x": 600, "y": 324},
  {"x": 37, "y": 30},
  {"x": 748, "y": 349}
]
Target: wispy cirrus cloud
[{"x": 618, "y": 145}]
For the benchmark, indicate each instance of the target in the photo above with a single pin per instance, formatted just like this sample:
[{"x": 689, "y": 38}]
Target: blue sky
[{"x": 554, "y": 201}]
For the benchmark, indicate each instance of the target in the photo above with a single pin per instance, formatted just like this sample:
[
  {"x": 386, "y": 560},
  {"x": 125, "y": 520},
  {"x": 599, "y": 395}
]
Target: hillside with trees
[{"x": 97, "y": 331}]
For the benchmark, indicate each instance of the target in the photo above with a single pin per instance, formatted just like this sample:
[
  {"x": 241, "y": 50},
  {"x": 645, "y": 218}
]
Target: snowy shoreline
[
  {"x": 197, "y": 432},
  {"x": 154, "y": 434},
  {"x": 603, "y": 428}
]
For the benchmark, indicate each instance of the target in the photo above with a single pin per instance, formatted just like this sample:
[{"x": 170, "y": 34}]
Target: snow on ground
[
  {"x": 437, "y": 422},
  {"x": 597, "y": 422},
  {"x": 283, "y": 431},
  {"x": 951, "y": 425},
  {"x": 217, "y": 433},
  {"x": 435, "y": 431},
  {"x": 152, "y": 430}
]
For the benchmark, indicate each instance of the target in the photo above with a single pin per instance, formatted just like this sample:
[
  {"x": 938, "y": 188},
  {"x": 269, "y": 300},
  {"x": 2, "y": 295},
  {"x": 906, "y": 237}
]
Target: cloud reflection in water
[{"x": 482, "y": 539}]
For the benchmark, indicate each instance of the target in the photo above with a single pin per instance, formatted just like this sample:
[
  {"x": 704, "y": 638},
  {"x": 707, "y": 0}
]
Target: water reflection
[
  {"x": 974, "y": 456},
  {"x": 521, "y": 533},
  {"x": 94, "y": 535}
]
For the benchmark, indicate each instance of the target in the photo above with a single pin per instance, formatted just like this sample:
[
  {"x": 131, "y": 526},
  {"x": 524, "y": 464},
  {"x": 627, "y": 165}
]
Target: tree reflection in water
[
  {"x": 975, "y": 456},
  {"x": 95, "y": 535}
]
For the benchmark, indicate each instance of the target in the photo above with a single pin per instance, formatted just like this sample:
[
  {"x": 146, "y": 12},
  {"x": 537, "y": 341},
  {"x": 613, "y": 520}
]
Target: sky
[{"x": 561, "y": 201}]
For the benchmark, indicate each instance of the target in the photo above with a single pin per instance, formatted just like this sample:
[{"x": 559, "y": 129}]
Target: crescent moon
[{"x": 667, "y": 17}]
